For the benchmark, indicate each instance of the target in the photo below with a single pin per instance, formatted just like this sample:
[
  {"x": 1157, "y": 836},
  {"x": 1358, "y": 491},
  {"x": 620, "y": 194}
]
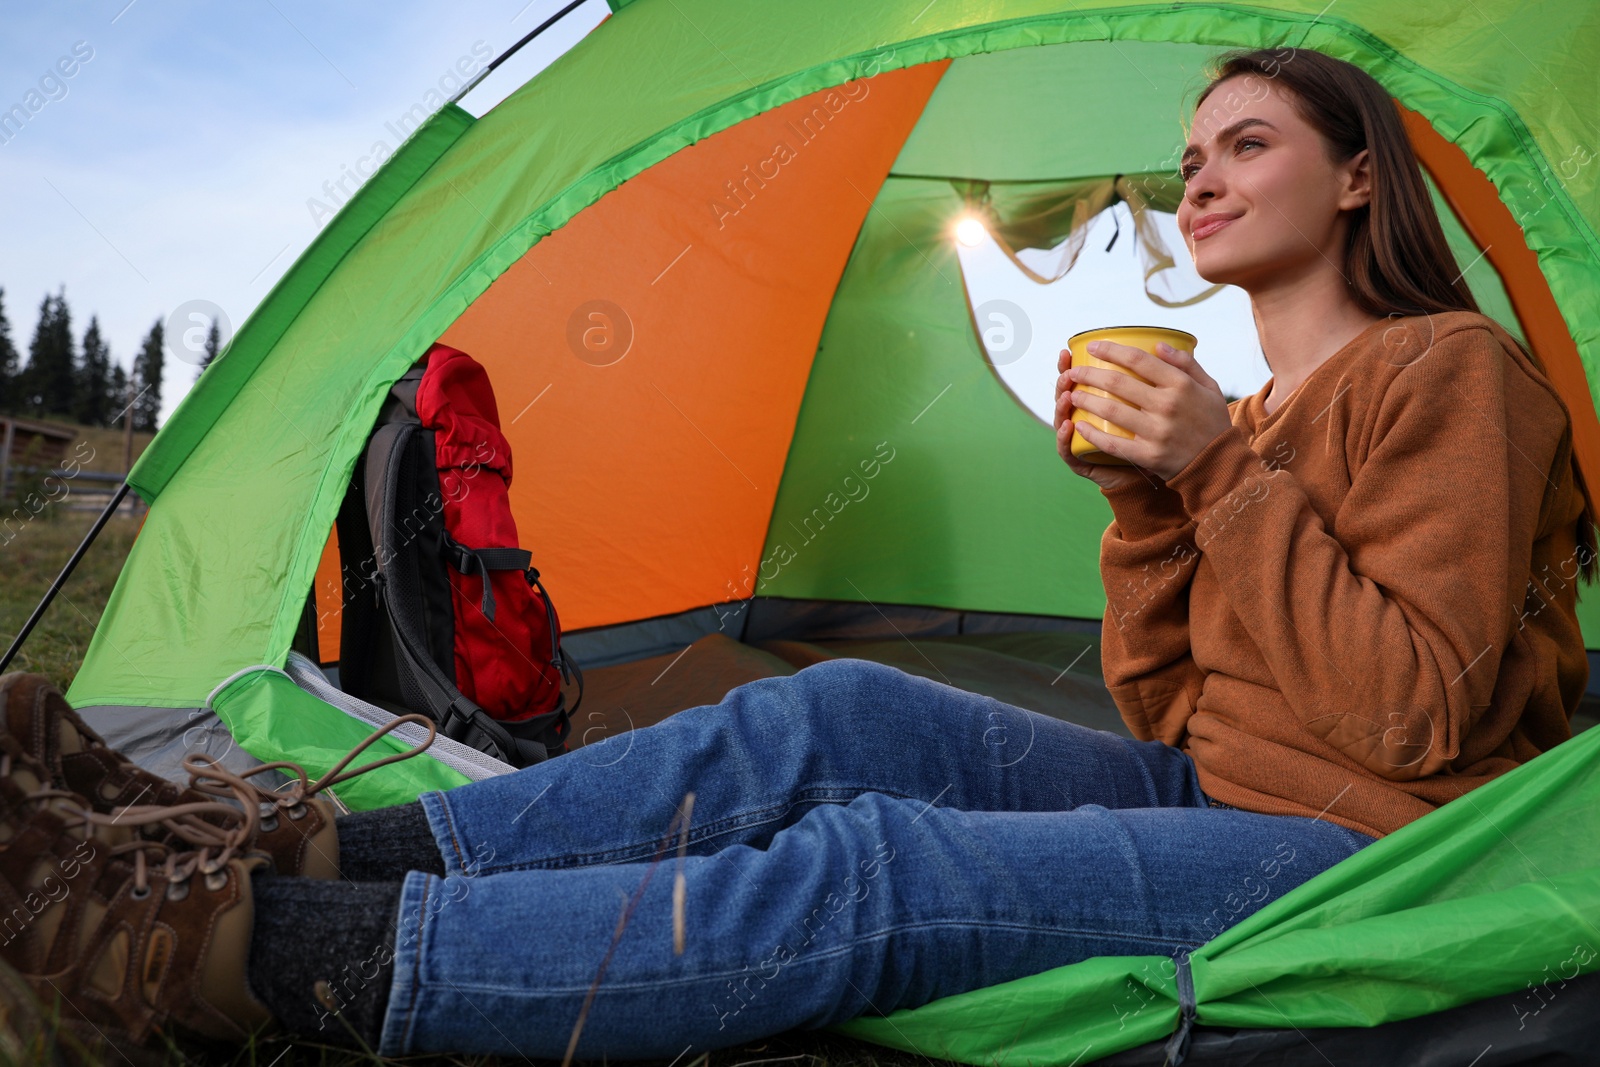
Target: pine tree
[
  {"x": 94, "y": 378},
  {"x": 213, "y": 346},
  {"x": 50, "y": 377},
  {"x": 147, "y": 380},
  {"x": 10, "y": 365},
  {"x": 117, "y": 394},
  {"x": 26, "y": 392}
]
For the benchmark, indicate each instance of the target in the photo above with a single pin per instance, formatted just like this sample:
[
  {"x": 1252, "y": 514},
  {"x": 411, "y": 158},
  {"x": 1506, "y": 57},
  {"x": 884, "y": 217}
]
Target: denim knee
[{"x": 858, "y": 694}]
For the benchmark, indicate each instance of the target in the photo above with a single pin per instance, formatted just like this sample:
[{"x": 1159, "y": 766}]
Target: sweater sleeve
[
  {"x": 1147, "y": 561},
  {"x": 1386, "y": 638}
]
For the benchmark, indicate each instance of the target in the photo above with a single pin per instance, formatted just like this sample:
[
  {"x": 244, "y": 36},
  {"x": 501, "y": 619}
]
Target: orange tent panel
[
  {"x": 649, "y": 357},
  {"x": 328, "y": 588}
]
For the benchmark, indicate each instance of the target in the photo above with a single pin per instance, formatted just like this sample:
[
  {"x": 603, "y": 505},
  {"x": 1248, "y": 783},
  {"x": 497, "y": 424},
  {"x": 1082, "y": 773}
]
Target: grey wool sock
[
  {"x": 383, "y": 844},
  {"x": 311, "y": 929}
]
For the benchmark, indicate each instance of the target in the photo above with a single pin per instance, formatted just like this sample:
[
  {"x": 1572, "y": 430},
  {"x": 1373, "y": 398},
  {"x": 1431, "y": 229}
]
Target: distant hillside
[{"x": 107, "y": 445}]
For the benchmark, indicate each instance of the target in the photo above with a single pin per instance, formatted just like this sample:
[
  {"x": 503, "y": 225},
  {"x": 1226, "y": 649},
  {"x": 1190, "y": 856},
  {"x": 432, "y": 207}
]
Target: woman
[
  {"x": 1310, "y": 605},
  {"x": 853, "y": 839}
]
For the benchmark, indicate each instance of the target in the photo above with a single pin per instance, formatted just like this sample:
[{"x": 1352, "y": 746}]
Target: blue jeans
[{"x": 860, "y": 840}]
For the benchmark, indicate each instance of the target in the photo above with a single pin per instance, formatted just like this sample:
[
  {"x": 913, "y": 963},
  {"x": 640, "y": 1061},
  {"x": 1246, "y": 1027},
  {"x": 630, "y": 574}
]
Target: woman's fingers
[
  {"x": 1065, "y": 407},
  {"x": 1063, "y": 400},
  {"x": 1109, "y": 408},
  {"x": 1140, "y": 362},
  {"x": 1184, "y": 360},
  {"x": 1064, "y": 431},
  {"x": 1118, "y": 384},
  {"x": 1095, "y": 437}
]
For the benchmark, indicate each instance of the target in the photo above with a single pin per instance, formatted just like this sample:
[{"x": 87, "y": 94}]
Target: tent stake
[{"x": 61, "y": 579}]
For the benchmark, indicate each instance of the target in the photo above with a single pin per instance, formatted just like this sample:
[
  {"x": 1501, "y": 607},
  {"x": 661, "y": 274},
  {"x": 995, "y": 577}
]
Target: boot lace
[
  {"x": 205, "y": 835},
  {"x": 206, "y": 775}
]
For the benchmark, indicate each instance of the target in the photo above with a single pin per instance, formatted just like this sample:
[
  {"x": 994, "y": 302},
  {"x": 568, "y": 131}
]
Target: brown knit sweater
[{"x": 1360, "y": 606}]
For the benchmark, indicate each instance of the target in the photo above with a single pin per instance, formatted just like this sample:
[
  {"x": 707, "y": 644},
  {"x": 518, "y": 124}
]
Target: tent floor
[
  {"x": 1020, "y": 669},
  {"x": 1044, "y": 663},
  {"x": 1486, "y": 1033},
  {"x": 1496, "y": 1032}
]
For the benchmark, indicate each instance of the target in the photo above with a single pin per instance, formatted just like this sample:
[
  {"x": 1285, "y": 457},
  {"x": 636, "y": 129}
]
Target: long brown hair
[{"x": 1397, "y": 261}]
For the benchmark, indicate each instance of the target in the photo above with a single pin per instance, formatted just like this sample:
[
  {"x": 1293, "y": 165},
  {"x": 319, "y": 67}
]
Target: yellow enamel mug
[{"x": 1141, "y": 337}]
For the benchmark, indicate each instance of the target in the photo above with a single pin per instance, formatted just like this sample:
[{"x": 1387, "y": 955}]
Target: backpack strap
[
  {"x": 461, "y": 720},
  {"x": 482, "y": 561}
]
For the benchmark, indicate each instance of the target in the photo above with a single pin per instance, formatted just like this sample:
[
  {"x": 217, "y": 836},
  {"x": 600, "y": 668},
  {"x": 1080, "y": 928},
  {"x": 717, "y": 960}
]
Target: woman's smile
[{"x": 1207, "y": 225}]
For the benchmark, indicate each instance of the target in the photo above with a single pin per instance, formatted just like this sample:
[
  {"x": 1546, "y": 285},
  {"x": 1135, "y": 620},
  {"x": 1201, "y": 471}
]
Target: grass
[
  {"x": 32, "y": 552},
  {"x": 106, "y": 442},
  {"x": 797, "y": 1049},
  {"x": 27, "y": 1039},
  {"x": 107, "y": 445},
  {"x": 36, "y": 540},
  {"x": 31, "y": 555}
]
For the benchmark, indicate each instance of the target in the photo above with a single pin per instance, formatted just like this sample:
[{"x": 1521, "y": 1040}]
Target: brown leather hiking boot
[
  {"x": 295, "y": 826},
  {"x": 125, "y": 934},
  {"x": 34, "y": 712}
]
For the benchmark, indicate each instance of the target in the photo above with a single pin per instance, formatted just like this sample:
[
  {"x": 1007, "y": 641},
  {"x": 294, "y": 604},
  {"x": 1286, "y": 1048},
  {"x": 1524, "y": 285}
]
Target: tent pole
[
  {"x": 509, "y": 52},
  {"x": 61, "y": 579}
]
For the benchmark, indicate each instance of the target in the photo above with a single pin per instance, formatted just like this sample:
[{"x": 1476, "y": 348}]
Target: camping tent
[{"x": 706, "y": 259}]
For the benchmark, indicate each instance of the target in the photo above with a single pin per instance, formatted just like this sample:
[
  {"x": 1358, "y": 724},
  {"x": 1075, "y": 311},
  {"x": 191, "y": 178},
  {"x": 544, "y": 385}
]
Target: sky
[
  {"x": 184, "y": 153},
  {"x": 175, "y": 167},
  {"x": 1105, "y": 287}
]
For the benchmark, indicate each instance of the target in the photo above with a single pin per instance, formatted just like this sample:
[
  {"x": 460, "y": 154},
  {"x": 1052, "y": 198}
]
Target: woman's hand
[
  {"x": 1177, "y": 415},
  {"x": 1106, "y": 476}
]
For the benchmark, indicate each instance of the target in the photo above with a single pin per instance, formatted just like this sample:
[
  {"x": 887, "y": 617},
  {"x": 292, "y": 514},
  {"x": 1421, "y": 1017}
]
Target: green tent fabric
[
  {"x": 578, "y": 130},
  {"x": 1483, "y": 896},
  {"x": 266, "y": 712},
  {"x": 927, "y": 402},
  {"x": 959, "y": 135}
]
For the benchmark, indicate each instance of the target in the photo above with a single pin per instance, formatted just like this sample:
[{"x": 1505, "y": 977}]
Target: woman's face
[{"x": 1255, "y": 166}]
